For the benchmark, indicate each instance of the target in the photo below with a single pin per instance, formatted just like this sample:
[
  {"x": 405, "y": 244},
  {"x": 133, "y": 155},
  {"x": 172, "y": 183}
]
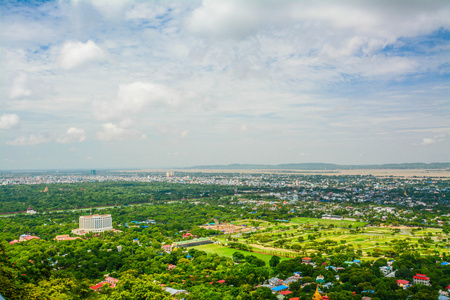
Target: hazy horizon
[{"x": 171, "y": 84}]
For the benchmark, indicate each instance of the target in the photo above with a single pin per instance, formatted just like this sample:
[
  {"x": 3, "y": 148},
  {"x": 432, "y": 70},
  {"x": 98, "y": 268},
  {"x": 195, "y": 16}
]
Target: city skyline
[{"x": 165, "y": 84}]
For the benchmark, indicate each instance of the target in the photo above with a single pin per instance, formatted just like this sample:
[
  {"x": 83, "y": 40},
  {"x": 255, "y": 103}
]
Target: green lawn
[
  {"x": 228, "y": 252},
  {"x": 337, "y": 223},
  {"x": 366, "y": 240}
]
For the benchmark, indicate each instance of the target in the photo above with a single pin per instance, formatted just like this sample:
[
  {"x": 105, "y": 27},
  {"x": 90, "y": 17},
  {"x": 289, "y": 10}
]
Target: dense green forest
[{"x": 68, "y": 196}]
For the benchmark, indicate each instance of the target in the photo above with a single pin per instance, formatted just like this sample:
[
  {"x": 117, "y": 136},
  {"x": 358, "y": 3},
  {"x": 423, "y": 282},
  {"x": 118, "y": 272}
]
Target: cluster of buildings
[
  {"x": 281, "y": 287},
  {"x": 24, "y": 238},
  {"x": 92, "y": 223}
]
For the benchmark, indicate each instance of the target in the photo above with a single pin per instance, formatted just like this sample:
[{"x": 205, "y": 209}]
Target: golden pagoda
[{"x": 317, "y": 295}]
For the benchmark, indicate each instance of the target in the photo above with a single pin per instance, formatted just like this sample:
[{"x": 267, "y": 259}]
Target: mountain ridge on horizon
[{"x": 323, "y": 166}]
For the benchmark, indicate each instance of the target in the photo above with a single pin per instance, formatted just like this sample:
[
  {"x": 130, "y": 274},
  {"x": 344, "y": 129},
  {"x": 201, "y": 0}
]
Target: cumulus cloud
[
  {"x": 112, "y": 132},
  {"x": 428, "y": 141},
  {"x": 8, "y": 121},
  {"x": 18, "y": 88},
  {"x": 32, "y": 139},
  {"x": 433, "y": 140},
  {"x": 72, "y": 135},
  {"x": 295, "y": 59},
  {"x": 134, "y": 99},
  {"x": 385, "y": 19},
  {"x": 74, "y": 54},
  {"x": 230, "y": 19}
]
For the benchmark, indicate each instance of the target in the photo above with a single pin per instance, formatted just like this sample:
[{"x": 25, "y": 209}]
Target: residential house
[
  {"x": 421, "y": 279},
  {"x": 167, "y": 248},
  {"x": 65, "y": 237},
  {"x": 26, "y": 237},
  {"x": 306, "y": 260},
  {"x": 108, "y": 280},
  {"x": 403, "y": 283}
]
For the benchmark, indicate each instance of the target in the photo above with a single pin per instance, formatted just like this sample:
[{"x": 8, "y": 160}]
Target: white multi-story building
[{"x": 94, "y": 223}]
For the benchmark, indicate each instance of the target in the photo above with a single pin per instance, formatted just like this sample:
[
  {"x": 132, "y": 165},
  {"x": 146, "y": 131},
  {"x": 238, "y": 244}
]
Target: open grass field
[
  {"x": 228, "y": 252},
  {"x": 315, "y": 236},
  {"x": 325, "y": 222}
]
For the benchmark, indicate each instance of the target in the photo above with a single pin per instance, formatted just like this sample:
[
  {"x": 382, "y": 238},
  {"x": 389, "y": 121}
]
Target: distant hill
[{"x": 321, "y": 166}]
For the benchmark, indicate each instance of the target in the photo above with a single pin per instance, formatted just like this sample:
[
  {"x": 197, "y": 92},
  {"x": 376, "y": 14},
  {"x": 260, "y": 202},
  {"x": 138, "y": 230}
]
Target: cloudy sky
[{"x": 149, "y": 84}]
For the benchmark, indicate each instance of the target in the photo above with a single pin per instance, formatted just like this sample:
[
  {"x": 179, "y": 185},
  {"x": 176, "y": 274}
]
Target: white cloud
[
  {"x": 134, "y": 99},
  {"x": 229, "y": 19},
  {"x": 428, "y": 141},
  {"x": 18, "y": 88},
  {"x": 372, "y": 23},
  {"x": 112, "y": 132},
  {"x": 74, "y": 54},
  {"x": 8, "y": 121},
  {"x": 433, "y": 140},
  {"x": 72, "y": 135},
  {"x": 112, "y": 10},
  {"x": 264, "y": 69},
  {"x": 32, "y": 139}
]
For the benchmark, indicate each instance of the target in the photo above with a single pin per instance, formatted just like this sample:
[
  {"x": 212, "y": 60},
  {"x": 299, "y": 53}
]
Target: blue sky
[{"x": 151, "y": 84}]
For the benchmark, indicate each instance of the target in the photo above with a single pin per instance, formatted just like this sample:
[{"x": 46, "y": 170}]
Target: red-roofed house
[
  {"x": 306, "y": 260},
  {"x": 171, "y": 267},
  {"x": 221, "y": 281},
  {"x": 421, "y": 279},
  {"x": 112, "y": 281},
  {"x": 108, "y": 280},
  {"x": 167, "y": 248},
  {"x": 402, "y": 283},
  {"x": 188, "y": 234},
  {"x": 296, "y": 298},
  {"x": 98, "y": 286},
  {"x": 65, "y": 237},
  {"x": 26, "y": 237},
  {"x": 285, "y": 293}
]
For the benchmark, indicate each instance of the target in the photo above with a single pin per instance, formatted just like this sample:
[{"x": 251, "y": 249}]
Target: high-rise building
[
  {"x": 94, "y": 223},
  {"x": 93, "y": 172}
]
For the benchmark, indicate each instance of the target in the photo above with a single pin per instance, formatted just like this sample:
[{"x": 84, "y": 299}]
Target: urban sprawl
[{"x": 217, "y": 235}]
